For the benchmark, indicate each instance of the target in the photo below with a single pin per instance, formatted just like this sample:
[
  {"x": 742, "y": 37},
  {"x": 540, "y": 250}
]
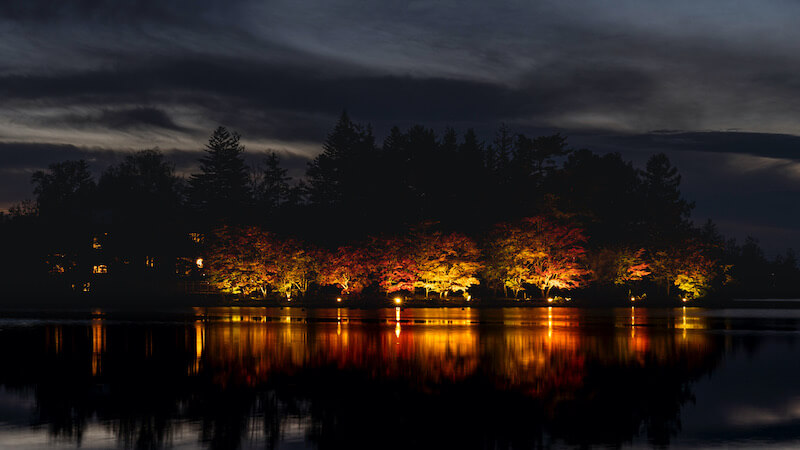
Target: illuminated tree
[
  {"x": 688, "y": 267},
  {"x": 240, "y": 260},
  {"x": 539, "y": 252},
  {"x": 445, "y": 262},
  {"x": 619, "y": 266},
  {"x": 295, "y": 267},
  {"x": 631, "y": 266},
  {"x": 695, "y": 275},
  {"x": 248, "y": 260},
  {"x": 503, "y": 267},
  {"x": 348, "y": 268},
  {"x": 395, "y": 265}
]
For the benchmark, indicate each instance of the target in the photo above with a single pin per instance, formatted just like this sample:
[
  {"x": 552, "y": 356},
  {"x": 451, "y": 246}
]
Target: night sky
[{"x": 711, "y": 83}]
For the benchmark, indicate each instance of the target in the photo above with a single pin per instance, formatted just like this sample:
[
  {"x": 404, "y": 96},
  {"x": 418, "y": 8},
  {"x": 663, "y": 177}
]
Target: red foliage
[
  {"x": 348, "y": 268},
  {"x": 395, "y": 266}
]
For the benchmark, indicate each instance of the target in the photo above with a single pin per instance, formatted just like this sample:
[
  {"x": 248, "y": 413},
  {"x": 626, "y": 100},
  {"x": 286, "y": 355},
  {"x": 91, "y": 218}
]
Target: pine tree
[
  {"x": 331, "y": 174},
  {"x": 221, "y": 189},
  {"x": 668, "y": 211},
  {"x": 503, "y": 147},
  {"x": 271, "y": 185}
]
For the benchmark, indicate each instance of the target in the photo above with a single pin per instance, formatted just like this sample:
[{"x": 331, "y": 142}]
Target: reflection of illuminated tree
[{"x": 357, "y": 387}]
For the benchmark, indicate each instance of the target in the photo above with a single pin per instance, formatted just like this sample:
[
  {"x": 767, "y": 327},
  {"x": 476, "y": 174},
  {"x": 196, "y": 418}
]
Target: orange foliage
[
  {"x": 540, "y": 252},
  {"x": 348, "y": 268},
  {"x": 445, "y": 262}
]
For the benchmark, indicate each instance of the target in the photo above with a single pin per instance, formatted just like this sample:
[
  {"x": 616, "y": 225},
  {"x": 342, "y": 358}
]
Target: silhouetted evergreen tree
[
  {"x": 603, "y": 193},
  {"x": 342, "y": 179},
  {"x": 221, "y": 190},
  {"x": 544, "y": 152},
  {"x": 503, "y": 148},
  {"x": 271, "y": 186},
  {"x": 667, "y": 211}
]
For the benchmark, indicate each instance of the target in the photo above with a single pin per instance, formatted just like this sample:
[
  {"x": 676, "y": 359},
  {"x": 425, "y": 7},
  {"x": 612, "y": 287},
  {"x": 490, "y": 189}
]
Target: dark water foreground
[{"x": 417, "y": 378}]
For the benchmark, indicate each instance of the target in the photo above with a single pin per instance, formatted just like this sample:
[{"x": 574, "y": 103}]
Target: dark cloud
[
  {"x": 212, "y": 83},
  {"x": 122, "y": 119},
  {"x": 771, "y": 145},
  {"x": 111, "y": 11},
  {"x": 123, "y": 75}
]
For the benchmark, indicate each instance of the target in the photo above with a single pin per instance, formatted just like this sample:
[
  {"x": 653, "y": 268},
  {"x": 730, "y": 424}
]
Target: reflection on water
[{"x": 485, "y": 378}]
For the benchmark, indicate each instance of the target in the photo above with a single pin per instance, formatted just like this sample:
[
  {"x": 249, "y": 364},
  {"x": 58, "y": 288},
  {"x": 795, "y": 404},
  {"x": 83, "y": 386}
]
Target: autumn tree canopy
[
  {"x": 238, "y": 260},
  {"x": 247, "y": 260},
  {"x": 688, "y": 266},
  {"x": 348, "y": 268},
  {"x": 445, "y": 262},
  {"x": 621, "y": 266},
  {"x": 396, "y": 266},
  {"x": 295, "y": 267},
  {"x": 541, "y": 252}
]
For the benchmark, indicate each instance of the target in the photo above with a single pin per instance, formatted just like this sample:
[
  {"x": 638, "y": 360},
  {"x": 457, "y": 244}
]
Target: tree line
[{"x": 421, "y": 212}]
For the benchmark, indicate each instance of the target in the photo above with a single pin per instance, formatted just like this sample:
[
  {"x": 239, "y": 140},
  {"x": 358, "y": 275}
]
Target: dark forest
[{"x": 422, "y": 215}]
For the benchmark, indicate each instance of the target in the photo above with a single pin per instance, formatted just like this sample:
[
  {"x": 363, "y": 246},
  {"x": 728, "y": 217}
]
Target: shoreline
[{"x": 155, "y": 304}]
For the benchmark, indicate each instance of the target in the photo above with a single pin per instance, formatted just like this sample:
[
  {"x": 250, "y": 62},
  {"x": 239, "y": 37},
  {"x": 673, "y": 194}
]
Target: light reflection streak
[
  {"x": 98, "y": 345},
  {"x": 55, "y": 338},
  {"x": 199, "y": 346}
]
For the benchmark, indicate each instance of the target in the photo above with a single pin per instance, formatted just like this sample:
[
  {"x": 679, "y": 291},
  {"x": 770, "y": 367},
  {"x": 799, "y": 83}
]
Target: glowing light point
[
  {"x": 398, "y": 300},
  {"x": 685, "y": 300},
  {"x": 550, "y": 300},
  {"x": 339, "y": 299},
  {"x": 199, "y": 263},
  {"x": 633, "y": 299}
]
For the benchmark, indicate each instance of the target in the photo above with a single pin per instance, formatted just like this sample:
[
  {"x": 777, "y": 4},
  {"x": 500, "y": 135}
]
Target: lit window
[{"x": 102, "y": 268}]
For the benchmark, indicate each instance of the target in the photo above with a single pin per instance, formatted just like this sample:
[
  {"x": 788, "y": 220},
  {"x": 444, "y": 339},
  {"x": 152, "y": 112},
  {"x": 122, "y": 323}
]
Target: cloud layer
[{"x": 95, "y": 77}]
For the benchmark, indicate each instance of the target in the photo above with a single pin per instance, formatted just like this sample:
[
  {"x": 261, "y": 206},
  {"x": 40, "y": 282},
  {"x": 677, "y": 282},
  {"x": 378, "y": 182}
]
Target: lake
[{"x": 294, "y": 378}]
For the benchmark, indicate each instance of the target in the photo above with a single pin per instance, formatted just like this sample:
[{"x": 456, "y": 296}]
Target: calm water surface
[{"x": 413, "y": 378}]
